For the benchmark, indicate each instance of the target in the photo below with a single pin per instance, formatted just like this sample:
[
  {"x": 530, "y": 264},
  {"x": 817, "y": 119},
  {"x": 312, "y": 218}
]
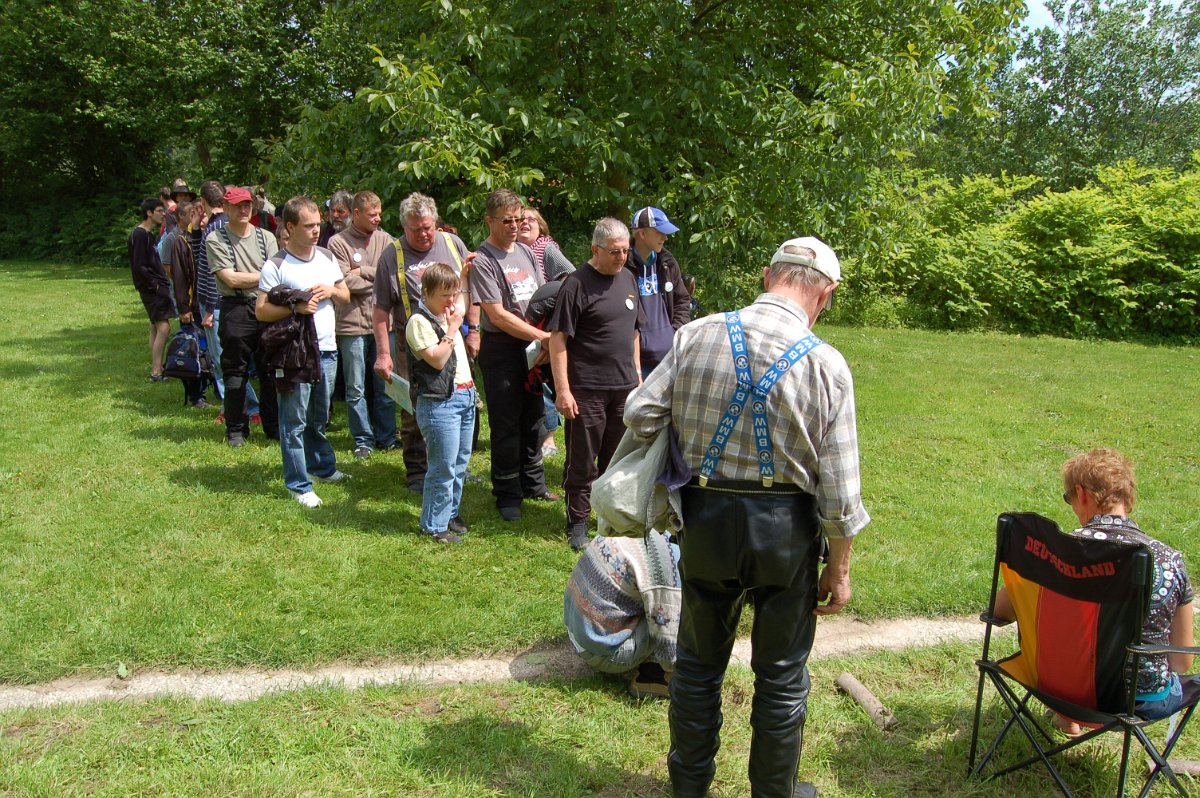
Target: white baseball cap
[{"x": 826, "y": 262}]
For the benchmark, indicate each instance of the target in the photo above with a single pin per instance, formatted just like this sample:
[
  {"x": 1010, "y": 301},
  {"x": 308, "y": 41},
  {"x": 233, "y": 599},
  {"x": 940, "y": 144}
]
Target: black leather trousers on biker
[{"x": 742, "y": 541}]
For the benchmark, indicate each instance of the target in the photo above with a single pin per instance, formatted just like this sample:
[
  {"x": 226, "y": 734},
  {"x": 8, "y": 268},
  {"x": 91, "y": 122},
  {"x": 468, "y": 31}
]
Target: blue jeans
[
  {"x": 446, "y": 425},
  {"x": 374, "y": 430},
  {"x": 303, "y": 414},
  {"x": 1163, "y": 707},
  {"x": 214, "y": 359},
  {"x": 552, "y": 417}
]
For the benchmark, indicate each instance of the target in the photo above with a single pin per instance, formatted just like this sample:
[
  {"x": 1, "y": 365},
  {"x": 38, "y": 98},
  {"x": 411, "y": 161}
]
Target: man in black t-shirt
[
  {"x": 151, "y": 281},
  {"x": 594, "y": 353}
]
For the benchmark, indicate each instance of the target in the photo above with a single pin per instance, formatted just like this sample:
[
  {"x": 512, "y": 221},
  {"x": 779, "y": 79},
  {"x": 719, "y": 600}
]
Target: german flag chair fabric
[{"x": 1080, "y": 605}]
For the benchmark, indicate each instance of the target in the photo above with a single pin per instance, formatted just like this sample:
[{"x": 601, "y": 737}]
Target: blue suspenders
[{"x": 758, "y": 408}]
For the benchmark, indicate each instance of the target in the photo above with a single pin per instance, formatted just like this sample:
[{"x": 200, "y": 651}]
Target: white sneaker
[
  {"x": 336, "y": 476},
  {"x": 308, "y": 499}
]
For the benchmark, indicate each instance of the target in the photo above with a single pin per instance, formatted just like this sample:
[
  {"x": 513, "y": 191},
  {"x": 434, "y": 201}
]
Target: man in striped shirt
[{"x": 769, "y": 490}]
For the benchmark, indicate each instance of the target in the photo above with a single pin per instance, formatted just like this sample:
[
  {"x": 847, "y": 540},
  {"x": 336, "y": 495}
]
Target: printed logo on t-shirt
[
  {"x": 413, "y": 273},
  {"x": 520, "y": 283},
  {"x": 648, "y": 284}
]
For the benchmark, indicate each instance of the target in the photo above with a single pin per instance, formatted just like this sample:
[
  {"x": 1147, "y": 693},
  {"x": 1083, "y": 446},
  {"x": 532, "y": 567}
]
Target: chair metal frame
[{"x": 1016, "y": 695}]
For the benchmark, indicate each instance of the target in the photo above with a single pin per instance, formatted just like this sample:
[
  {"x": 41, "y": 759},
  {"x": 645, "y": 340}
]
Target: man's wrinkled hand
[
  {"x": 833, "y": 592},
  {"x": 383, "y": 367}
]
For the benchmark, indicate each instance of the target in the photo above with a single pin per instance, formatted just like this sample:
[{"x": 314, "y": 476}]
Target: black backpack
[{"x": 185, "y": 359}]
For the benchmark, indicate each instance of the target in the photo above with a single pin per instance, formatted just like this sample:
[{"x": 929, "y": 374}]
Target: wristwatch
[{"x": 472, "y": 328}]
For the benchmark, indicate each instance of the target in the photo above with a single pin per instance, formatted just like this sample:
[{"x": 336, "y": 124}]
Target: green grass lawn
[
  {"x": 550, "y": 740},
  {"x": 129, "y": 532}
]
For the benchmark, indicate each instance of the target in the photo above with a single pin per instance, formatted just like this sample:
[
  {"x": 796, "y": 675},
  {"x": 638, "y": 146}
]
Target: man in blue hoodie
[{"x": 665, "y": 300}]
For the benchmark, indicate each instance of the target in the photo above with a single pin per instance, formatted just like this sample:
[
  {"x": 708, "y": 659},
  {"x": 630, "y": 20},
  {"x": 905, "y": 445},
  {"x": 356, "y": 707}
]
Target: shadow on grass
[
  {"x": 239, "y": 478},
  {"x": 76, "y": 352},
  {"x": 934, "y": 739},
  {"x": 505, "y": 755}
]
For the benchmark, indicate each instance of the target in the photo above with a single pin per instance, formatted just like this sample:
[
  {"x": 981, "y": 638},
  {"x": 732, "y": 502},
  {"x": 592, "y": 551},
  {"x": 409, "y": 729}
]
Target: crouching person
[
  {"x": 621, "y": 609},
  {"x": 444, "y": 400}
]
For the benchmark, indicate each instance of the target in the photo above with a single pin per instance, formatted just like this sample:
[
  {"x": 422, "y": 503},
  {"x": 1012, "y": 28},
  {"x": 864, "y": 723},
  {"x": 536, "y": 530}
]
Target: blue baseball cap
[{"x": 654, "y": 218}]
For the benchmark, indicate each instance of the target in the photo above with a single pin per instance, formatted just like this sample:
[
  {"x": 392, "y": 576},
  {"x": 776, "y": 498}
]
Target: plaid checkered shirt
[{"x": 811, "y": 409}]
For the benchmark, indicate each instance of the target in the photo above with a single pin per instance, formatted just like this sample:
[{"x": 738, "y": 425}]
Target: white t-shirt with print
[{"x": 322, "y": 267}]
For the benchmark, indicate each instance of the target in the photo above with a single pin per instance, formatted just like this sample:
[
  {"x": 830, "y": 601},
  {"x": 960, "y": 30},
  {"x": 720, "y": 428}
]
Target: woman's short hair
[
  {"x": 1104, "y": 473},
  {"x": 438, "y": 277}
]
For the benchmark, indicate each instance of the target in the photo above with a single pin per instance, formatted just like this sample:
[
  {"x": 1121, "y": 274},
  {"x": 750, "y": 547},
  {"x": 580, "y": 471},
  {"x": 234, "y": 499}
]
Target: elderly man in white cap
[{"x": 766, "y": 496}]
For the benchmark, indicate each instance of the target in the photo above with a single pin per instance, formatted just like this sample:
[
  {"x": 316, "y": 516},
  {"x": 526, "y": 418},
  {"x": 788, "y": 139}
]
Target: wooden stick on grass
[{"x": 882, "y": 716}]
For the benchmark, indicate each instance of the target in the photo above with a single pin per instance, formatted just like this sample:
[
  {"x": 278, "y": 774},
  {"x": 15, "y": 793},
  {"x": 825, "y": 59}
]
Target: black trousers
[
  {"x": 416, "y": 456},
  {"x": 240, "y": 330},
  {"x": 592, "y": 437},
  {"x": 764, "y": 546},
  {"x": 515, "y": 415}
]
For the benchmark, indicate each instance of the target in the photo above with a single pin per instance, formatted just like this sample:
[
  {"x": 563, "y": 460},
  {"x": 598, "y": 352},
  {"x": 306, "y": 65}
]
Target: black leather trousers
[{"x": 762, "y": 545}]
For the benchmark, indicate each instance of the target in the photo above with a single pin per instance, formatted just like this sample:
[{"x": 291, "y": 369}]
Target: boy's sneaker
[
  {"x": 458, "y": 525},
  {"x": 445, "y": 536},
  {"x": 577, "y": 535},
  {"x": 336, "y": 476},
  {"x": 236, "y": 439},
  {"x": 307, "y": 498},
  {"x": 362, "y": 453},
  {"x": 510, "y": 513},
  {"x": 256, "y": 418}
]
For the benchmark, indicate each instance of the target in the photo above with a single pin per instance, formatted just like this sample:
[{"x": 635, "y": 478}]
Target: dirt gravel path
[{"x": 838, "y": 636}]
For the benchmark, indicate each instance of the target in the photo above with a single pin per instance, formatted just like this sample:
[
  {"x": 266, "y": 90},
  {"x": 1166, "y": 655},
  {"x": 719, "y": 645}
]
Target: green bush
[
  {"x": 94, "y": 230},
  {"x": 1117, "y": 259}
]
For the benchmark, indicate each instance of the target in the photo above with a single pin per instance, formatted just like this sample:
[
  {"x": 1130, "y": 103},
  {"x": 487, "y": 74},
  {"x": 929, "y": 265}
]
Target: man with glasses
[
  {"x": 503, "y": 278},
  {"x": 397, "y": 284},
  {"x": 594, "y": 355},
  {"x": 765, "y": 415}
]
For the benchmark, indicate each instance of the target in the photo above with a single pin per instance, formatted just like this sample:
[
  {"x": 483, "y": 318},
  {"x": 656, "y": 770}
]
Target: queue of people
[
  {"x": 211, "y": 259},
  {"x": 770, "y": 505}
]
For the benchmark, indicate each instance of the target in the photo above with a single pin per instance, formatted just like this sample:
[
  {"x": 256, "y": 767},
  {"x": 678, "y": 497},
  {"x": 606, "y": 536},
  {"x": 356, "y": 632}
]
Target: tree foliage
[
  {"x": 1117, "y": 258},
  {"x": 106, "y": 96},
  {"x": 746, "y": 121},
  {"x": 1107, "y": 81}
]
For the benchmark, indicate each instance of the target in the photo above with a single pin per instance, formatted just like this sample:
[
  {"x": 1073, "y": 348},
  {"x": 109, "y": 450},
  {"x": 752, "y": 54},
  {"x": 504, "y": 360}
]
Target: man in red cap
[{"x": 236, "y": 253}]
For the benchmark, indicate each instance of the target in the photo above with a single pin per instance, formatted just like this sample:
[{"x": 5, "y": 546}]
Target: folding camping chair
[{"x": 1080, "y": 606}]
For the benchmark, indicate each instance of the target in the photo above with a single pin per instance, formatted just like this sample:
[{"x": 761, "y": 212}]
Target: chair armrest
[
  {"x": 1149, "y": 648},
  {"x": 994, "y": 621}
]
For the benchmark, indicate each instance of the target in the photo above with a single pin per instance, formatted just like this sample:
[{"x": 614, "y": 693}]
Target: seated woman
[{"x": 1099, "y": 485}]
